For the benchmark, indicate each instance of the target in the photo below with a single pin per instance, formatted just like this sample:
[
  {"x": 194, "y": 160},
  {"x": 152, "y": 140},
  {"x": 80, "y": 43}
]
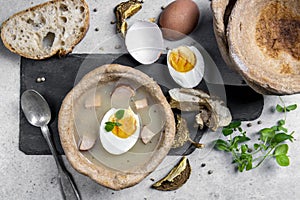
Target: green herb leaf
[
  {"x": 267, "y": 134},
  {"x": 227, "y": 131},
  {"x": 118, "y": 124},
  {"x": 244, "y": 148},
  {"x": 281, "y": 122},
  {"x": 249, "y": 165},
  {"x": 256, "y": 146},
  {"x": 283, "y": 160},
  {"x": 281, "y": 150},
  {"x": 280, "y": 137},
  {"x": 222, "y": 145},
  {"x": 242, "y": 139},
  {"x": 279, "y": 108},
  {"x": 241, "y": 167},
  {"x": 234, "y": 124},
  {"x": 280, "y": 128},
  {"x": 109, "y": 127},
  {"x": 291, "y": 107},
  {"x": 120, "y": 114}
]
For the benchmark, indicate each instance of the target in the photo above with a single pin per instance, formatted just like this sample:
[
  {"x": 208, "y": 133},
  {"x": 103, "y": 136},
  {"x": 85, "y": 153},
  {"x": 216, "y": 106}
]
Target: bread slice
[{"x": 54, "y": 27}]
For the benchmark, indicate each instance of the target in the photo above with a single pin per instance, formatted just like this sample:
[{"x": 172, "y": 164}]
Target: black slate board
[{"x": 63, "y": 73}]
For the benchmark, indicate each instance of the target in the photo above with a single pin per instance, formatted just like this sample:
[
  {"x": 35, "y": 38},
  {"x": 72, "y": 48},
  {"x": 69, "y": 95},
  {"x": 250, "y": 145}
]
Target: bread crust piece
[
  {"x": 221, "y": 11},
  {"x": 102, "y": 174},
  {"x": 51, "y": 28},
  {"x": 278, "y": 74}
]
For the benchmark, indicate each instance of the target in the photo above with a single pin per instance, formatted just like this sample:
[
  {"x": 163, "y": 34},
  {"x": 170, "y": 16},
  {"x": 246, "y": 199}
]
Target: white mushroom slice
[
  {"x": 93, "y": 102},
  {"x": 86, "y": 143},
  {"x": 158, "y": 120},
  {"x": 146, "y": 135},
  {"x": 121, "y": 96},
  {"x": 140, "y": 104}
]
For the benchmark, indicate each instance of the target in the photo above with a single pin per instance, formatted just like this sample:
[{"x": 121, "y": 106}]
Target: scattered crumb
[
  {"x": 210, "y": 172},
  {"x": 259, "y": 122},
  {"x": 152, "y": 179},
  {"x": 96, "y": 29},
  {"x": 162, "y": 7},
  {"x": 249, "y": 125},
  {"x": 40, "y": 79},
  {"x": 203, "y": 165},
  {"x": 118, "y": 46},
  {"x": 95, "y": 10},
  {"x": 112, "y": 22},
  {"x": 152, "y": 19},
  {"x": 101, "y": 49}
]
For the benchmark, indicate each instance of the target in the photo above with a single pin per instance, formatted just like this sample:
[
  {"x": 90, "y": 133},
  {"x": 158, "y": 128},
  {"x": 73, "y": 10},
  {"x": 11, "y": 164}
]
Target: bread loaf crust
[{"x": 51, "y": 28}]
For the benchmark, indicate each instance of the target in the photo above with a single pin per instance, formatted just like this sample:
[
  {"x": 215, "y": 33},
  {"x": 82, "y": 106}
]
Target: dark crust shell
[
  {"x": 267, "y": 74},
  {"x": 101, "y": 174}
]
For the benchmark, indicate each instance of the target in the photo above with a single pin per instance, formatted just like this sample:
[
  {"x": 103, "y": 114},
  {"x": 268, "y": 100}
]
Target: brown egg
[{"x": 178, "y": 19}]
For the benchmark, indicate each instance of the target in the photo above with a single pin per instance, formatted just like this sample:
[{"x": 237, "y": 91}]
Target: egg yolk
[
  {"x": 182, "y": 59},
  {"x": 128, "y": 125}
]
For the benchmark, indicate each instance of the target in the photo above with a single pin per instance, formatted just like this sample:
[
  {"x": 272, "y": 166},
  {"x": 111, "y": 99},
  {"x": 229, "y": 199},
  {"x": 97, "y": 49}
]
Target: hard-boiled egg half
[
  {"x": 119, "y": 130},
  {"x": 186, "y": 66}
]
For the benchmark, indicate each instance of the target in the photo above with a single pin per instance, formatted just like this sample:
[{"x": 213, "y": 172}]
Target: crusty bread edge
[{"x": 60, "y": 52}]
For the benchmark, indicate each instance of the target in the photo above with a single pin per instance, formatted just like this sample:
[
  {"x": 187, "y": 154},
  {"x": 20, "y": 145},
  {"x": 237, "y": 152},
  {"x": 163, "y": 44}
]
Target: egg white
[
  {"x": 114, "y": 144},
  {"x": 144, "y": 42},
  {"x": 191, "y": 78}
]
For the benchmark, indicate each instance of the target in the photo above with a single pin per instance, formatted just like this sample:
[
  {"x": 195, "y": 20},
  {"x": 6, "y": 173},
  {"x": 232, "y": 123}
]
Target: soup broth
[{"x": 87, "y": 122}]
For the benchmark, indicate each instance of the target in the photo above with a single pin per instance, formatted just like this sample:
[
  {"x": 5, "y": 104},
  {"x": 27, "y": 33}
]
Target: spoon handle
[{"x": 69, "y": 190}]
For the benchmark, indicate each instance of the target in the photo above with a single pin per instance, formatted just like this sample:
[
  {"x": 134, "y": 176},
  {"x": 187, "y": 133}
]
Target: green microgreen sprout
[
  {"x": 270, "y": 143},
  {"x": 109, "y": 126}
]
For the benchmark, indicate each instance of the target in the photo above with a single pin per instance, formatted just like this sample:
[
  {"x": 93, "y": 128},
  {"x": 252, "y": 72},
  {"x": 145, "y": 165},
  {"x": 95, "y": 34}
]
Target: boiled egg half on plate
[
  {"x": 186, "y": 66},
  {"x": 119, "y": 130}
]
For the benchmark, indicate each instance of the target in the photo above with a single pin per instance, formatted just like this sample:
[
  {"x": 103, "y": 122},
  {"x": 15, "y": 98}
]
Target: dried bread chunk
[
  {"x": 221, "y": 11},
  {"x": 54, "y": 27},
  {"x": 264, "y": 44}
]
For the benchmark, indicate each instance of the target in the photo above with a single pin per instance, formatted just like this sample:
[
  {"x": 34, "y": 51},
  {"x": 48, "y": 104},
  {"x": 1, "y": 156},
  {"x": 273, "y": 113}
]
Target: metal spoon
[{"x": 37, "y": 112}]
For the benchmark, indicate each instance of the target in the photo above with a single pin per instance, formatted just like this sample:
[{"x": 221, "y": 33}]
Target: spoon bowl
[{"x": 35, "y": 108}]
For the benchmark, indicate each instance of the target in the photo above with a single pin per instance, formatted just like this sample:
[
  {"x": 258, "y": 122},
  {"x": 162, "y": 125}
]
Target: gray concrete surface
[{"x": 25, "y": 177}]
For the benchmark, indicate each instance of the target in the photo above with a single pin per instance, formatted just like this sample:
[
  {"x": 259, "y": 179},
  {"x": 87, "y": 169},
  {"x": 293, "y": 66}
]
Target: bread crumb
[
  {"x": 118, "y": 46},
  {"x": 152, "y": 19}
]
